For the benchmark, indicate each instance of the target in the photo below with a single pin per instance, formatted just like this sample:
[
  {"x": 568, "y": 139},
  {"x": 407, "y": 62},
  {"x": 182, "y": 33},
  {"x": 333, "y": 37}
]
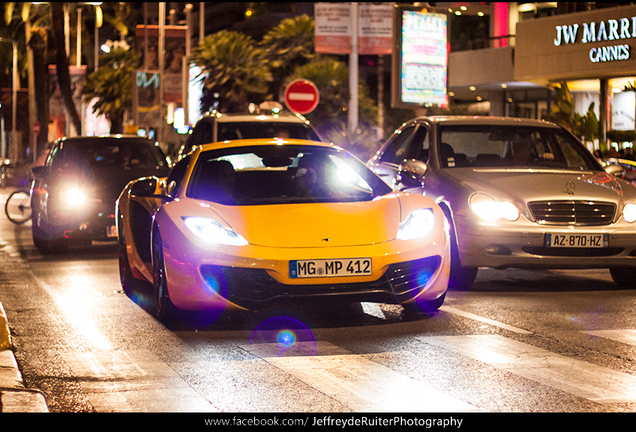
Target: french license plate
[
  {"x": 111, "y": 231},
  {"x": 330, "y": 268},
  {"x": 577, "y": 240}
]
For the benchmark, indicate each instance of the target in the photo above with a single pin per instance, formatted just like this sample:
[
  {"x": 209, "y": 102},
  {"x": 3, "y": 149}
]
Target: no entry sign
[{"x": 301, "y": 96}]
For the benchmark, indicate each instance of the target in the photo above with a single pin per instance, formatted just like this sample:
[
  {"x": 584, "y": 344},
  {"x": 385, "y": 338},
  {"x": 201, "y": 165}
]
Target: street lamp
[{"x": 14, "y": 90}]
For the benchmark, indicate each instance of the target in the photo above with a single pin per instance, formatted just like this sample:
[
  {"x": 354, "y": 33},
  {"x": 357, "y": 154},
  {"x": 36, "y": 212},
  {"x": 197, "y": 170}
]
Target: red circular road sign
[
  {"x": 36, "y": 128},
  {"x": 301, "y": 96}
]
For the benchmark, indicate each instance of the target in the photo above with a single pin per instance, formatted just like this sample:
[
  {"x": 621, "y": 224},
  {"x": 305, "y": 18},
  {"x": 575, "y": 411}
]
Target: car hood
[
  {"x": 523, "y": 186},
  {"x": 317, "y": 224}
]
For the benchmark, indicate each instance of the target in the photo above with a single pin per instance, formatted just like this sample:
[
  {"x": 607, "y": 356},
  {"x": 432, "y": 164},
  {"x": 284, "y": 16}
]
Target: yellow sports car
[{"x": 241, "y": 223}]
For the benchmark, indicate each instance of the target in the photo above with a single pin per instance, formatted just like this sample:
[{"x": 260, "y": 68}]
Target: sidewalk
[{"x": 14, "y": 397}]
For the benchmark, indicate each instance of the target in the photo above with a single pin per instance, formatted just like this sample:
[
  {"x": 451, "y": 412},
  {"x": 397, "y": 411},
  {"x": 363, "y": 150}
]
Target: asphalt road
[{"x": 517, "y": 342}]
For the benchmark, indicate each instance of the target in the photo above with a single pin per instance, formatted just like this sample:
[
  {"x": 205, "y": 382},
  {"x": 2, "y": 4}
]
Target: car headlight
[
  {"x": 417, "y": 225},
  {"x": 629, "y": 212},
  {"x": 489, "y": 209},
  {"x": 213, "y": 232},
  {"x": 75, "y": 197}
]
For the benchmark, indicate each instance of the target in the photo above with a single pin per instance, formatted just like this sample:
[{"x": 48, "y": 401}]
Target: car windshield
[
  {"x": 112, "y": 153},
  {"x": 262, "y": 129},
  {"x": 281, "y": 175},
  {"x": 493, "y": 146}
]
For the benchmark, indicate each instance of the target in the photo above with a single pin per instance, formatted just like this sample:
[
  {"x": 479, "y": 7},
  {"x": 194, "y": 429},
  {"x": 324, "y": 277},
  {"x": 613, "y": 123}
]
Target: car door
[
  {"x": 408, "y": 142},
  {"x": 40, "y": 185}
]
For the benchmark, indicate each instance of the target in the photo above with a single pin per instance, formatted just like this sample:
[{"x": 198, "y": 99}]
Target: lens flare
[{"x": 290, "y": 336}]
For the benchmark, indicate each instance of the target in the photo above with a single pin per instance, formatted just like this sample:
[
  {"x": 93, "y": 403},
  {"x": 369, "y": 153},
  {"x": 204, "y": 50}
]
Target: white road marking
[
  {"x": 373, "y": 309},
  {"x": 359, "y": 383},
  {"x": 472, "y": 316},
  {"x": 133, "y": 381},
  {"x": 624, "y": 336},
  {"x": 587, "y": 380}
]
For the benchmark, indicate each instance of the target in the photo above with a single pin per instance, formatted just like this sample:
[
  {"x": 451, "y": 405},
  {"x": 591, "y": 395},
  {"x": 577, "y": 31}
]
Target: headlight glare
[
  {"x": 418, "y": 224},
  {"x": 491, "y": 210},
  {"x": 75, "y": 197},
  {"x": 629, "y": 212},
  {"x": 213, "y": 232}
]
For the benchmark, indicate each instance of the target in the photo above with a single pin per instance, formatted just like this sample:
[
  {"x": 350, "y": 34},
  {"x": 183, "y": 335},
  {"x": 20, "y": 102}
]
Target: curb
[{"x": 14, "y": 397}]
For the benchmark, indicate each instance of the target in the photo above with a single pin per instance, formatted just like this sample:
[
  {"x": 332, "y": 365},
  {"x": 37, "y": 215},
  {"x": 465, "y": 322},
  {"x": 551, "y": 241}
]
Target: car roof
[
  {"x": 485, "y": 120},
  {"x": 244, "y": 117},
  {"x": 100, "y": 137},
  {"x": 263, "y": 142}
]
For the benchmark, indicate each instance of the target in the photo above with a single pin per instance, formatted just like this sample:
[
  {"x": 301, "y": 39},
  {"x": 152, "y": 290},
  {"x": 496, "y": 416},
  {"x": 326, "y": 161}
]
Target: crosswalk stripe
[
  {"x": 587, "y": 380},
  {"x": 133, "y": 381},
  {"x": 359, "y": 383},
  {"x": 472, "y": 316},
  {"x": 624, "y": 336}
]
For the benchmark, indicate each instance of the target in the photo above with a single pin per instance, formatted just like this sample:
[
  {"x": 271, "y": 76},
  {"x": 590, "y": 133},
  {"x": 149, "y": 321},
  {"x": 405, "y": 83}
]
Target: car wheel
[
  {"x": 428, "y": 307},
  {"x": 45, "y": 245},
  {"x": 624, "y": 276},
  {"x": 129, "y": 283},
  {"x": 163, "y": 307},
  {"x": 461, "y": 277}
]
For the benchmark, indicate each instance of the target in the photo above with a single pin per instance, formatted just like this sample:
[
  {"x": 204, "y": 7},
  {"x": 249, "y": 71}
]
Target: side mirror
[
  {"x": 411, "y": 174},
  {"x": 38, "y": 171},
  {"x": 614, "y": 169},
  {"x": 148, "y": 187},
  {"x": 144, "y": 187}
]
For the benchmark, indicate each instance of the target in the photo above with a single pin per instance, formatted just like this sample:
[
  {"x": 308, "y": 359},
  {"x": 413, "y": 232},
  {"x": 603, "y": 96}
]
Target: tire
[
  {"x": 162, "y": 307},
  {"x": 427, "y": 307},
  {"x": 461, "y": 277},
  {"x": 43, "y": 244},
  {"x": 623, "y": 276},
  {"x": 18, "y": 207},
  {"x": 129, "y": 283}
]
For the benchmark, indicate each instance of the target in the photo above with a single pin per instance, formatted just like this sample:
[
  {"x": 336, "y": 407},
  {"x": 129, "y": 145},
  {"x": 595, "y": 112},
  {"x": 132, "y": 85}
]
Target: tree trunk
[
  {"x": 41, "y": 72},
  {"x": 62, "y": 65}
]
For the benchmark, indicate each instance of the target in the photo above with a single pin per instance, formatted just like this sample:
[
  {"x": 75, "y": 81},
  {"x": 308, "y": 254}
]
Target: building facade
[{"x": 591, "y": 47}]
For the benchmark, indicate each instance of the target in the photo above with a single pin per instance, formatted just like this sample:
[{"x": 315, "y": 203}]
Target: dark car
[
  {"x": 215, "y": 127},
  {"x": 73, "y": 195},
  {"x": 517, "y": 193}
]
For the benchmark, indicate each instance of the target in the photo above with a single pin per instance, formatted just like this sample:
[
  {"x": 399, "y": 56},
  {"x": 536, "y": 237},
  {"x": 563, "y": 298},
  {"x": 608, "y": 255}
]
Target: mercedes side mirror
[{"x": 411, "y": 174}]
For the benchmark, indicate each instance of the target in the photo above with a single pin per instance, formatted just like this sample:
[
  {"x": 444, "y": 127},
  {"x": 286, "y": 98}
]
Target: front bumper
[
  {"x": 200, "y": 279},
  {"x": 248, "y": 287},
  {"x": 525, "y": 246},
  {"x": 95, "y": 222}
]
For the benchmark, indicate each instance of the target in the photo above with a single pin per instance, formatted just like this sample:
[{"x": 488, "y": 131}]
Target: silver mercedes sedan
[{"x": 516, "y": 193}]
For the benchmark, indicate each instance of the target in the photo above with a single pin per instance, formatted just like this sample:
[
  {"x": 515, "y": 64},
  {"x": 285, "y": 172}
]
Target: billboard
[
  {"x": 420, "y": 66},
  {"x": 333, "y": 28}
]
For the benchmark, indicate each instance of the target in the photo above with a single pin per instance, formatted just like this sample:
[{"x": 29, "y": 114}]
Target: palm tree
[
  {"x": 288, "y": 45},
  {"x": 111, "y": 86},
  {"x": 234, "y": 71},
  {"x": 62, "y": 64}
]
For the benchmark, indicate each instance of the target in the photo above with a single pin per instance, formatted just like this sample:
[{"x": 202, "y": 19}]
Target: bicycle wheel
[{"x": 18, "y": 207}]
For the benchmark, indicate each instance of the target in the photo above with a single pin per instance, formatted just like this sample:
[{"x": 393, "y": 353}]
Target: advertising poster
[
  {"x": 332, "y": 28},
  {"x": 423, "y": 76},
  {"x": 147, "y": 79},
  {"x": 376, "y": 29}
]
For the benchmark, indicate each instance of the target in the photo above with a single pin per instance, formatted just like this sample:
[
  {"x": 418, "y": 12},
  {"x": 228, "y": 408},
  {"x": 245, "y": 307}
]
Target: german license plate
[
  {"x": 330, "y": 268},
  {"x": 111, "y": 231},
  {"x": 577, "y": 240}
]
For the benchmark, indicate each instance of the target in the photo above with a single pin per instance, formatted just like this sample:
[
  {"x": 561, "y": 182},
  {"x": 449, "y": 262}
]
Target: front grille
[{"x": 572, "y": 212}]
